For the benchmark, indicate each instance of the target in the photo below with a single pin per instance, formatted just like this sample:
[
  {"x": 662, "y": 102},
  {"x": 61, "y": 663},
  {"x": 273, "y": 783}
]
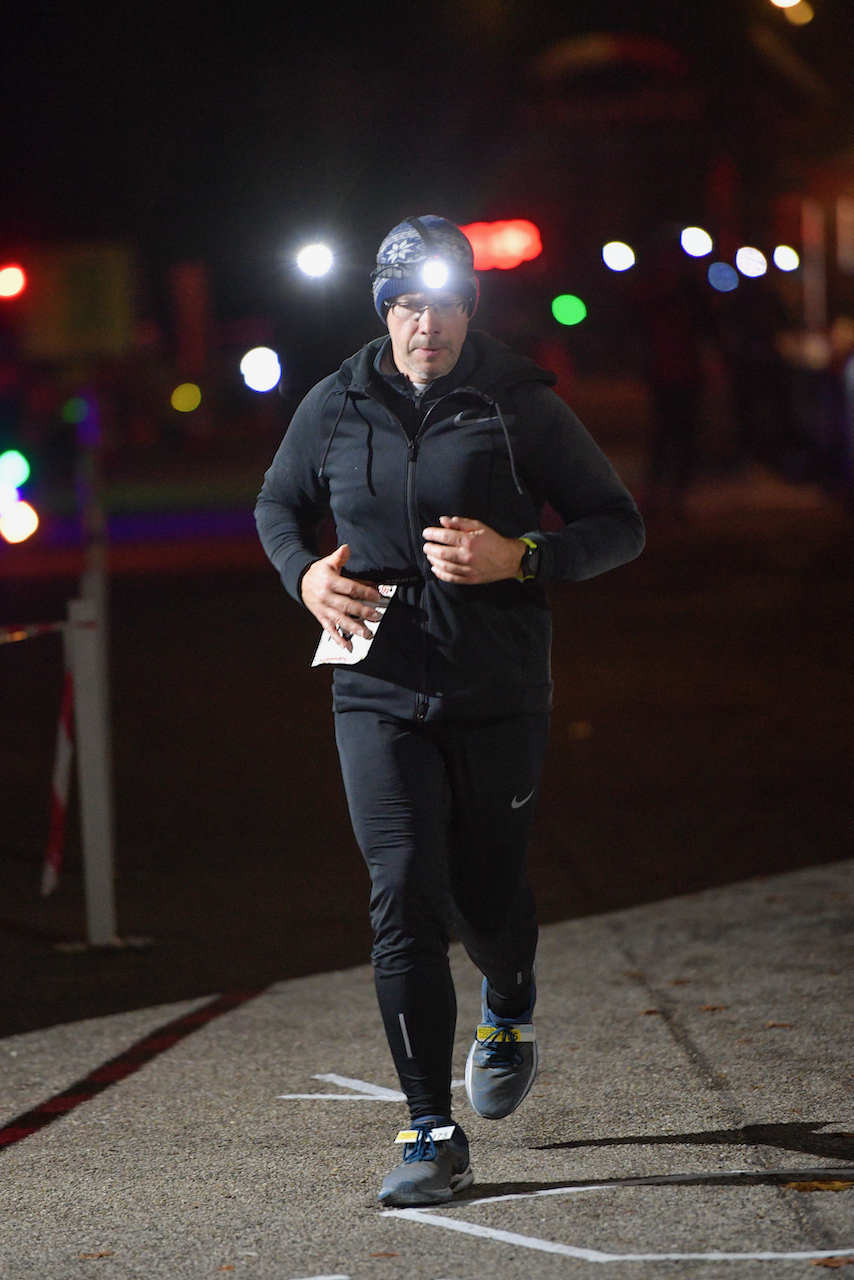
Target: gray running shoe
[
  {"x": 435, "y": 1164},
  {"x": 502, "y": 1063}
]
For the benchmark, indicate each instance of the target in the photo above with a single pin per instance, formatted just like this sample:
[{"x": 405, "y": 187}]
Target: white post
[{"x": 86, "y": 647}]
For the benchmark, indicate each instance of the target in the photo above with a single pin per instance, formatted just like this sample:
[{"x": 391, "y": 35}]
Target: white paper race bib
[{"x": 328, "y": 651}]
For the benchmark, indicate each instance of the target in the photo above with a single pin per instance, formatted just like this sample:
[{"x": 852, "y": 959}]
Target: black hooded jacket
[{"x": 492, "y": 442}]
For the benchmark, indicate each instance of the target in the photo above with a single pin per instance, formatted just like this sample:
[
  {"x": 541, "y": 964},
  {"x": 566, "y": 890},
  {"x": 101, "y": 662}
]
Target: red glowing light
[
  {"x": 503, "y": 244},
  {"x": 12, "y": 281}
]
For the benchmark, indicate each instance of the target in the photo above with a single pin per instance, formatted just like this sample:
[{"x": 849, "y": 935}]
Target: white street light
[
  {"x": 261, "y": 369},
  {"x": 751, "y": 262},
  {"x": 786, "y": 258},
  {"x": 618, "y": 256},
  {"x": 314, "y": 260},
  {"x": 696, "y": 242}
]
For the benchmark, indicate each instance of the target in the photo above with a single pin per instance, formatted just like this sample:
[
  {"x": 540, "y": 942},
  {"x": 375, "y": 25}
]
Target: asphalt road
[
  {"x": 692, "y": 1117},
  {"x": 701, "y": 736}
]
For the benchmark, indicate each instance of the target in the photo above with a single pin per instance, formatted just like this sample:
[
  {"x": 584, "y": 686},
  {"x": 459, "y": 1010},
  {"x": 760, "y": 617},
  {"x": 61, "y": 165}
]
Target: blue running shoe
[
  {"x": 502, "y": 1062},
  {"x": 435, "y": 1164}
]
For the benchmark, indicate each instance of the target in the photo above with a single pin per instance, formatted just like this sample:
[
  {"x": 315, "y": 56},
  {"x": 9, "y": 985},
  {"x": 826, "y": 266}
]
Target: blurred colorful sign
[{"x": 503, "y": 244}]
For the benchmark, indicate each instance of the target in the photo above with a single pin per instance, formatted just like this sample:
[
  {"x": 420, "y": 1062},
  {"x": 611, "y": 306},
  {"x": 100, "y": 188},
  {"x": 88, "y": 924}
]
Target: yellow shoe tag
[
  {"x": 438, "y": 1135},
  {"x": 521, "y": 1034}
]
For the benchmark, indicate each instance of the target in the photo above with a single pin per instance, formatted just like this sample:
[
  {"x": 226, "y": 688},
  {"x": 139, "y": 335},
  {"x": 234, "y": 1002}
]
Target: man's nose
[{"x": 428, "y": 321}]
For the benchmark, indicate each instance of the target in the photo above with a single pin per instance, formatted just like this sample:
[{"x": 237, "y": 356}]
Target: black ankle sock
[{"x": 508, "y": 1006}]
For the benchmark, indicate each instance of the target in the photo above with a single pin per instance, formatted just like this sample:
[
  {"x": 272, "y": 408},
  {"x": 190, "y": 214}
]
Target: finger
[
  {"x": 338, "y": 638},
  {"x": 358, "y": 590},
  {"x": 449, "y": 537},
  {"x": 339, "y": 556},
  {"x": 456, "y": 553},
  {"x": 461, "y": 522},
  {"x": 352, "y": 623},
  {"x": 448, "y": 563},
  {"x": 458, "y": 574}
]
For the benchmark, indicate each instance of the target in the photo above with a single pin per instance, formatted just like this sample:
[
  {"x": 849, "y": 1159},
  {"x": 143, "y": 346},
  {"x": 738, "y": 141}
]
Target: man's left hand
[{"x": 467, "y": 552}]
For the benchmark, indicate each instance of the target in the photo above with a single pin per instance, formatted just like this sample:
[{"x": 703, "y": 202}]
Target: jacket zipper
[{"x": 415, "y": 539}]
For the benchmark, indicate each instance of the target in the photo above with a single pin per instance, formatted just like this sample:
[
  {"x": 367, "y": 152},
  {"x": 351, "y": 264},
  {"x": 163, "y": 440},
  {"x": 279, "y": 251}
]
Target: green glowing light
[
  {"x": 75, "y": 410},
  {"x": 14, "y": 468},
  {"x": 567, "y": 309}
]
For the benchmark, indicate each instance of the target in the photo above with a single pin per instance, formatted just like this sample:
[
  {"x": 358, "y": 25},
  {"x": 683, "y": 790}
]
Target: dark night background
[{"x": 702, "y": 722}]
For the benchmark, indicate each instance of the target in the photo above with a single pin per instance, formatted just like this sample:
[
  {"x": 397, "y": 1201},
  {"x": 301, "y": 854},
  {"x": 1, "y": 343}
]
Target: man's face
[{"x": 428, "y": 345}]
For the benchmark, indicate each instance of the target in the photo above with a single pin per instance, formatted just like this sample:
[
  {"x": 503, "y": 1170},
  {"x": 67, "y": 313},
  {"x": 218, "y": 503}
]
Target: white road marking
[
  {"x": 331, "y": 1097},
  {"x": 363, "y": 1086},
  {"x": 363, "y": 1090},
  {"x": 429, "y": 1217}
]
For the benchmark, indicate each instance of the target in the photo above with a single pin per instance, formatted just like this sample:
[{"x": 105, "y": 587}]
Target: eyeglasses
[{"x": 443, "y": 309}]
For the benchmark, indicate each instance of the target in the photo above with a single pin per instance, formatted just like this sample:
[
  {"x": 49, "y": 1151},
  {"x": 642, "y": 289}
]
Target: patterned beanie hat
[{"x": 424, "y": 253}]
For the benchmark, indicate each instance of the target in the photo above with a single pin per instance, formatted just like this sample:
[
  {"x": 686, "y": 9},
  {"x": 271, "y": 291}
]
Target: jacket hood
[{"x": 498, "y": 367}]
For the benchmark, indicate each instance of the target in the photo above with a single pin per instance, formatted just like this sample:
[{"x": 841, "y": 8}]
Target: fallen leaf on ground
[
  {"x": 712, "y": 1008},
  {"x": 779, "y": 1024},
  {"x": 383, "y": 1255},
  {"x": 835, "y": 1185},
  {"x": 645, "y": 1012},
  {"x": 96, "y": 1255},
  {"x": 831, "y": 1262}
]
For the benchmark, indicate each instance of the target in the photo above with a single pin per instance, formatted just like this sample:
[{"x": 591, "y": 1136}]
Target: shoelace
[
  {"x": 423, "y": 1148},
  {"x": 502, "y": 1049}
]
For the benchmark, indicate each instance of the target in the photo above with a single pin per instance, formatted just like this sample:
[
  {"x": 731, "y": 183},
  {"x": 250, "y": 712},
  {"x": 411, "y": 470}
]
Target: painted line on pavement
[
  {"x": 125, "y": 1064},
  {"x": 364, "y": 1086},
  {"x": 431, "y": 1218},
  {"x": 364, "y": 1091},
  {"x": 772, "y": 1176}
]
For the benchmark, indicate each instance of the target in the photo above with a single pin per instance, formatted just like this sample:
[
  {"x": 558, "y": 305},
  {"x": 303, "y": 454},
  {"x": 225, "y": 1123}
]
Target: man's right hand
[{"x": 340, "y": 604}]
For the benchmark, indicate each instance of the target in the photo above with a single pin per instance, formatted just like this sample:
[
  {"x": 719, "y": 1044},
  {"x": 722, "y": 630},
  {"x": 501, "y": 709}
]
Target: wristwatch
[{"x": 530, "y": 561}]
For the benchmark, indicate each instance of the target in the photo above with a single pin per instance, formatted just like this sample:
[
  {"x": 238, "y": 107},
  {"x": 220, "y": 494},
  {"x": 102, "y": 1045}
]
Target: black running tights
[{"x": 442, "y": 812}]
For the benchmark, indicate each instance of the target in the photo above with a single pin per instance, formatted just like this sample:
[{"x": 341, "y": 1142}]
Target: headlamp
[{"x": 435, "y": 273}]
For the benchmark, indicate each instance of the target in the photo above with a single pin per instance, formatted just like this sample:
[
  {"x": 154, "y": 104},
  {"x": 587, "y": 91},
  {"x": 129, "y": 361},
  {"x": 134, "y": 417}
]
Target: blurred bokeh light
[
  {"x": 8, "y": 495},
  {"x": 786, "y": 258},
  {"x": 14, "y": 468},
  {"x": 261, "y": 369},
  {"x": 751, "y": 262},
  {"x": 800, "y": 14},
  {"x": 568, "y": 309},
  {"x": 314, "y": 260},
  {"x": 503, "y": 244},
  {"x": 75, "y": 410},
  {"x": 12, "y": 281},
  {"x": 696, "y": 242},
  {"x": 186, "y": 397},
  {"x": 618, "y": 256},
  {"x": 18, "y": 522},
  {"x": 723, "y": 277}
]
